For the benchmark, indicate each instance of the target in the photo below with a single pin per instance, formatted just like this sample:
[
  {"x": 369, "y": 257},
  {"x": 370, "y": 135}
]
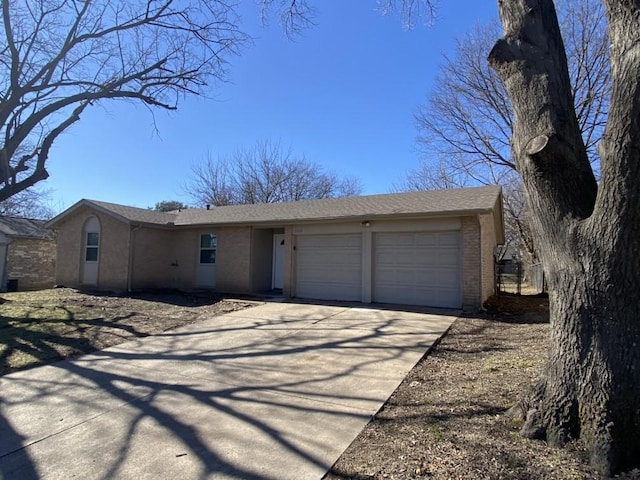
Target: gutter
[{"x": 275, "y": 222}]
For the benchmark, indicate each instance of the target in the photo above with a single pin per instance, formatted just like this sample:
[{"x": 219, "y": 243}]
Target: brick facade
[
  {"x": 32, "y": 263},
  {"x": 143, "y": 249},
  {"x": 471, "y": 263},
  {"x": 488, "y": 244},
  {"x": 151, "y": 258},
  {"x": 478, "y": 263},
  {"x": 113, "y": 270},
  {"x": 233, "y": 264}
]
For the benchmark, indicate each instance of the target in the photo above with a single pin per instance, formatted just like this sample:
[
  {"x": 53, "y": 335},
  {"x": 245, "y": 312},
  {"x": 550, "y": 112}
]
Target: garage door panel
[
  {"x": 446, "y": 258},
  {"x": 448, "y": 278},
  {"x": 417, "y": 268},
  {"x": 427, "y": 242},
  {"x": 329, "y": 267}
]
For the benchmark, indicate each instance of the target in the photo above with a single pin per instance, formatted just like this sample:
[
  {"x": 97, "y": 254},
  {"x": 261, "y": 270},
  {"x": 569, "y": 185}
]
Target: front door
[
  {"x": 278, "y": 262},
  {"x": 206, "y": 266}
]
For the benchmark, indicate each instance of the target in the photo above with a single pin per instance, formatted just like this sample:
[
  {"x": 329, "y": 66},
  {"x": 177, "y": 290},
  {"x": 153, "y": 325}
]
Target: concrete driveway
[{"x": 277, "y": 391}]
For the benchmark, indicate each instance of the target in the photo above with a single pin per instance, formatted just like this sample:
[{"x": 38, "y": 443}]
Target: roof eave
[
  {"x": 84, "y": 203},
  {"x": 88, "y": 203},
  {"x": 349, "y": 218}
]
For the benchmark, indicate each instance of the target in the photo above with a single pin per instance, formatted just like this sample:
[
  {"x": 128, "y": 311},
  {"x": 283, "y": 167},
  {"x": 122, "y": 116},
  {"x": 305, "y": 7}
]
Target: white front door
[
  {"x": 278, "y": 262},
  {"x": 206, "y": 266}
]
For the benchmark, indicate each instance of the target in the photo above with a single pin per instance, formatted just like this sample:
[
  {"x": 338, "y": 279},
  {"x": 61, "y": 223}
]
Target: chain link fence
[{"x": 512, "y": 278}]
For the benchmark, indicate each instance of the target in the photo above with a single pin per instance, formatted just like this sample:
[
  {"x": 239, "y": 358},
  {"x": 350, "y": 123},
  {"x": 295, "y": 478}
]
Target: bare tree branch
[
  {"x": 29, "y": 203},
  {"x": 264, "y": 173},
  {"x": 468, "y": 118},
  {"x": 63, "y": 55},
  {"x": 295, "y": 16},
  {"x": 411, "y": 11}
]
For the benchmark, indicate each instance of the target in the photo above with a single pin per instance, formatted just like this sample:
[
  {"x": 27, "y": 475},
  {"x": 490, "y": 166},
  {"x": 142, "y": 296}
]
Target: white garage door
[
  {"x": 329, "y": 267},
  {"x": 417, "y": 268}
]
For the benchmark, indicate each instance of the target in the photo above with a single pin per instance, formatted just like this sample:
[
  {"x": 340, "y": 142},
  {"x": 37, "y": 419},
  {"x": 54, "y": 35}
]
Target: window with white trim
[
  {"x": 208, "y": 247},
  {"x": 92, "y": 246}
]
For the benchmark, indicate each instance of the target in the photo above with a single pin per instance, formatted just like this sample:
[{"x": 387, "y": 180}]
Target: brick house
[
  {"x": 432, "y": 248},
  {"x": 27, "y": 254}
]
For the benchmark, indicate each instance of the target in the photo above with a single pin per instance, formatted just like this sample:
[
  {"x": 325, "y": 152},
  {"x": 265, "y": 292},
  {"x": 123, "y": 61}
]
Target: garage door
[
  {"x": 329, "y": 267},
  {"x": 419, "y": 268}
]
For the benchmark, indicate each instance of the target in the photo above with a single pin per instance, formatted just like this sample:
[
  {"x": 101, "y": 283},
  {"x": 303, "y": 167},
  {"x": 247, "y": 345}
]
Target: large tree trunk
[{"x": 588, "y": 235}]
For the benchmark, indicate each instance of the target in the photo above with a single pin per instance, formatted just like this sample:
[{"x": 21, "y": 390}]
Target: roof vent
[{"x": 208, "y": 207}]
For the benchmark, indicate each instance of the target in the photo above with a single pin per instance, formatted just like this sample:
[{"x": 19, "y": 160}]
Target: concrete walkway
[{"x": 277, "y": 391}]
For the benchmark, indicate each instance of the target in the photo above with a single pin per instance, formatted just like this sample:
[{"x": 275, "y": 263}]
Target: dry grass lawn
[{"x": 50, "y": 325}]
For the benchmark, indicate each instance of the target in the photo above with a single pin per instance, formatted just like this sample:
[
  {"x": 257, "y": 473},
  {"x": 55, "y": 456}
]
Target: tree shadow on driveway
[{"x": 235, "y": 397}]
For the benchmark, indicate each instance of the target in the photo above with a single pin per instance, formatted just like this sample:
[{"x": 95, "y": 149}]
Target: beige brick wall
[
  {"x": 233, "y": 258},
  {"x": 153, "y": 260},
  {"x": 32, "y": 262},
  {"x": 69, "y": 242},
  {"x": 169, "y": 259},
  {"x": 471, "y": 262},
  {"x": 184, "y": 255},
  {"x": 488, "y": 243},
  {"x": 233, "y": 262},
  {"x": 478, "y": 278},
  {"x": 113, "y": 256}
]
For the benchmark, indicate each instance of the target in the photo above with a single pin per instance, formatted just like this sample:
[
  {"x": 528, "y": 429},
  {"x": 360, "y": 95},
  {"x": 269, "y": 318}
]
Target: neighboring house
[
  {"x": 431, "y": 248},
  {"x": 27, "y": 254}
]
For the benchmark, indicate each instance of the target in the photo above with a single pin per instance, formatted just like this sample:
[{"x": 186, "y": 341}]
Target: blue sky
[{"x": 343, "y": 94}]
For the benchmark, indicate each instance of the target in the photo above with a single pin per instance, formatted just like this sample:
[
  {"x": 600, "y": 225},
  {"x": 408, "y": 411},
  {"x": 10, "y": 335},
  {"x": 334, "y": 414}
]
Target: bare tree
[
  {"x": 58, "y": 57},
  {"x": 30, "y": 203},
  {"x": 466, "y": 125},
  {"x": 264, "y": 173},
  {"x": 586, "y": 231},
  {"x": 294, "y": 15},
  {"x": 411, "y": 11},
  {"x": 469, "y": 117},
  {"x": 211, "y": 183},
  {"x": 297, "y": 15}
]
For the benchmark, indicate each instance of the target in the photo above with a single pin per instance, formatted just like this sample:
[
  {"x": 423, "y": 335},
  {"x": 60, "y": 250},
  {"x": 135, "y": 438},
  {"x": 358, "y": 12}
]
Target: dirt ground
[
  {"x": 49, "y": 325},
  {"x": 447, "y": 419}
]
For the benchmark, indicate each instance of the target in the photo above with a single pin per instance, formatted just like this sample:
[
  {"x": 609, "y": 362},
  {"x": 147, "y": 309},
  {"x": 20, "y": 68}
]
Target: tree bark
[{"x": 587, "y": 234}]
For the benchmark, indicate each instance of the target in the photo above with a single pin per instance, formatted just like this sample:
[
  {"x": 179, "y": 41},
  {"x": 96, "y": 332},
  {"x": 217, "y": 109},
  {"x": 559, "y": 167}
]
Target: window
[
  {"x": 208, "y": 246},
  {"x": 92, "y": 246}
]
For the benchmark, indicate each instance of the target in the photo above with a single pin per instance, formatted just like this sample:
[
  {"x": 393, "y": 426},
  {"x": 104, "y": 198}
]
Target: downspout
[{"x": 130, "y": 260}]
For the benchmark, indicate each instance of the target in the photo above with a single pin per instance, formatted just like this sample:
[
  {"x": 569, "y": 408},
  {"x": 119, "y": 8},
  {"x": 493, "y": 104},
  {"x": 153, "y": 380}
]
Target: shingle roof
[
  {"x": 135, "y": 215},
  {"x": 433, "y": 202},
  {"x": 424, "y": 203},
  {"x": 25, "y": 227}
]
